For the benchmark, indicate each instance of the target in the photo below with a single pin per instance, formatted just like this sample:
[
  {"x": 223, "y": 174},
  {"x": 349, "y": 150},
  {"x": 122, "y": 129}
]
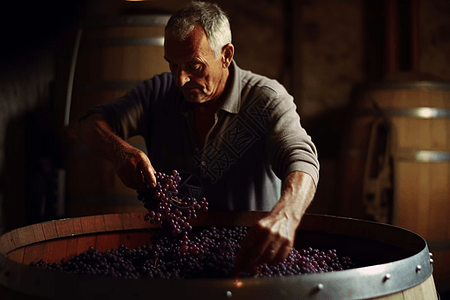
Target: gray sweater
[{"x": 257, "y": 139}]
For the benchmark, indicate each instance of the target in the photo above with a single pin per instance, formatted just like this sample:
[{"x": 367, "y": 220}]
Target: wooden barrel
[
  {"x": 403, "y": 127},
  {"x": 114, "y": 55},
  {"x": 397, "y": 262}
]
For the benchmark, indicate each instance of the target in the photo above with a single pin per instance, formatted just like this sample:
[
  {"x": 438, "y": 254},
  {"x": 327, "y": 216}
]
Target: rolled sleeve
[{"x": 291, "y": 148}]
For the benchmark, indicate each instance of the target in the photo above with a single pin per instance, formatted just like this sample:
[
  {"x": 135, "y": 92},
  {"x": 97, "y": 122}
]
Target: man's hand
[
  {"x": 131, "y": 164},
  {"x": 134, "y": 168},
  {"x": 272, "y": 238}
]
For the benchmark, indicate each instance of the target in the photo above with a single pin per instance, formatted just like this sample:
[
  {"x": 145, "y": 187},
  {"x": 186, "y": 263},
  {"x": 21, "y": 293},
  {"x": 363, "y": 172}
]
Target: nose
[{"x": 182, "y": 77}]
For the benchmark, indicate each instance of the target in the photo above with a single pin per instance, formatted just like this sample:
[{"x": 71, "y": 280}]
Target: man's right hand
[
  {"x": 131, "y": 164},
  {"x": 134, "y": 168}
]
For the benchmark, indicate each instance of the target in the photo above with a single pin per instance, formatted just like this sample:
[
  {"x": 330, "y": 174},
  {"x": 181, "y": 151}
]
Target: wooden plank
[
  {"x": 113, "y": 222},
  {"x": 49, "y": 229},
  {"x": 99, "y": 223},
  {"x": 7, "y": 243},
  {"x": 107, "y": 241},
  {"x": 135, "y": 239},
  {"x": 24, "y": 235},
  {"x": 426, "y": 291},
  {"x": 137, "y": 220},
  {"x": 85, "y": 242},
  {"x": 55, "y": 250},
  {"x": 127, "y": 221},
  {"x": 396, "y": 296},
  {"x": 33, "y": 253},
  {"x": 16, "y": 255},
  {"x": 440, "y": 202},
  {"x": 38, "y": 232},
  {"x": 77, "y": 226},
  {"x": 71, "y": 249},
  {"x": 429, "y": 289},
  {"x": 88, "y": 224},
  {"x": 65, "y": 227}
]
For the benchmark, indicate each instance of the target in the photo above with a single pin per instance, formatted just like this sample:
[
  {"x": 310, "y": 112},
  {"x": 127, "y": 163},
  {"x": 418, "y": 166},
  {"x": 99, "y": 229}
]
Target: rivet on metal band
[{"x": 387, "y": 277}]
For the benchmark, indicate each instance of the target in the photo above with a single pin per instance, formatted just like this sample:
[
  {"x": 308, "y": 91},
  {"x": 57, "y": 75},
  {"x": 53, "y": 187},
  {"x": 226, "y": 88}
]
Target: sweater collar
[{"x": 232, "y": 95}]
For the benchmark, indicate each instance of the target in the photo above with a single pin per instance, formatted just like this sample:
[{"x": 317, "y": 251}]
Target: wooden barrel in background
[
  {"x": 114, "y": 55},
  {"x": 404, "y": 176},
  {"x": 387, "y": 250}
]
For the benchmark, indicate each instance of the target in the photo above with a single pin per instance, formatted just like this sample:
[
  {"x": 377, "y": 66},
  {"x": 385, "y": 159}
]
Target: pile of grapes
[
  {"x": 166, "y": 209},
  {"x": 209, "y": 254},
  {"x": 178, "y": 252}
]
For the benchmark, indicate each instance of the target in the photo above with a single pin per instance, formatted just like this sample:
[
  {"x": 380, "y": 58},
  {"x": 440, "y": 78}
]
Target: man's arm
[
  {"x": 128, "y": 161},
  {"x": 272, "y": 238}
]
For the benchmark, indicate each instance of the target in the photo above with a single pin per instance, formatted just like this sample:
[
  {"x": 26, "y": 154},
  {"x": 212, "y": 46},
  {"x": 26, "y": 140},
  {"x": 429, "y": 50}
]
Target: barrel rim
[{"x": 375, "y": 281}]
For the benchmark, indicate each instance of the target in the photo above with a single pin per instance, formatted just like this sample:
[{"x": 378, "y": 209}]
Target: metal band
[
  {"x": 99, "y": 86},
  {"x": 434, "y": 85},
  {"x": 114, "y": 42},
  {"x": 370, "y": 282},
  {"x": 423, "y": 155},
  {"x": 416, "y": 112},
  {"x": 144, "y": 20}
]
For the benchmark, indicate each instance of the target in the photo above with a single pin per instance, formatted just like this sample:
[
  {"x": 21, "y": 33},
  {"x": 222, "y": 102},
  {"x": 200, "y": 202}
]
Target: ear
[{"x": 227, "y": 55}]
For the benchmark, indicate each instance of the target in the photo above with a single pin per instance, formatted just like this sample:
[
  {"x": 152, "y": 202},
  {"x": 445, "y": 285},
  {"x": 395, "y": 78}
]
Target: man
[{"x": 236, "y": 131}]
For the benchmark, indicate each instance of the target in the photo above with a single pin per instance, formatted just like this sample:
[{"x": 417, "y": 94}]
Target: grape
[
  {"x": 209, "y": 253},
  {"x": 177, "y": 252},
  {"x": 166, "y": 209}
]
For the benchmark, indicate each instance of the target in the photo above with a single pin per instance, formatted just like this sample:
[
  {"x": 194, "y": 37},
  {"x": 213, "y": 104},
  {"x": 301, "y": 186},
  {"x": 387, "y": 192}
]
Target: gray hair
[{"x": 209, "y": 16}]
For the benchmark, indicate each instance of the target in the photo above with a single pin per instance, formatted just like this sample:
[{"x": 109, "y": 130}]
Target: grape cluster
[
  {"x": 166, "y": 209},
  {"x": 179, "y": 252},
  {"x": 209, "y": 253}
]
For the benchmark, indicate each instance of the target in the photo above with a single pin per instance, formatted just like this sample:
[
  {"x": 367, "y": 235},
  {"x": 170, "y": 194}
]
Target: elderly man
[{"x": 238, "y": 132}]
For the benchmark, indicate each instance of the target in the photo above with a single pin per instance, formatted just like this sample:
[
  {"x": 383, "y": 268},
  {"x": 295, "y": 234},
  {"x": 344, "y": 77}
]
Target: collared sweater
[{"x": 256, "y": 140}]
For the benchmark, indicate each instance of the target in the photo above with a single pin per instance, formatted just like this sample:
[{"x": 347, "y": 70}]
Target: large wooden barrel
[
  {"x": 114, "y": 54},
  {"x": 402, "y": 128},
  {"x": 396, "y": 261}
]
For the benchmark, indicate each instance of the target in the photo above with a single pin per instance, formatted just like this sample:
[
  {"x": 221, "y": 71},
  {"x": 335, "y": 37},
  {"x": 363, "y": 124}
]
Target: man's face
[{"x": 200, "y": 76}]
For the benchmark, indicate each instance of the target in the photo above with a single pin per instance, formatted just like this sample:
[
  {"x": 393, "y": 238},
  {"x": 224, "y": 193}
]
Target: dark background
[{"x": 320, "y": 50}]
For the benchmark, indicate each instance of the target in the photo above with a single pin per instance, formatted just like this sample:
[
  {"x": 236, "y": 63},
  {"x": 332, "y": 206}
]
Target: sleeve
[
  {"x": 128, "y": 115},
  {"x": 290, "y": 147}
]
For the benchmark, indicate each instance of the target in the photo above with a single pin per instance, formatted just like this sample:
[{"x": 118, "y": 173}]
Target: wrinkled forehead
[{"x": 196, "y": 43}]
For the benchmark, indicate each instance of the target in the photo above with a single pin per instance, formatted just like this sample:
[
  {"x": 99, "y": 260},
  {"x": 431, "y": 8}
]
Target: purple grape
[
  {"x": 168, "y": 207},
  {"x": 178, "y": 252}
]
